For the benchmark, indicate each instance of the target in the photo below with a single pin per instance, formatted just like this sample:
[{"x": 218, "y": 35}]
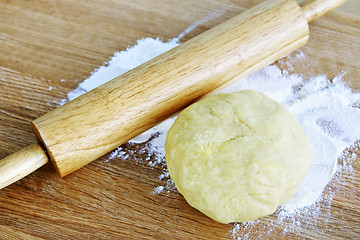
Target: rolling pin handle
[
  {"x": 21, "y": 163},
  {"x": 314, "y": 9}
]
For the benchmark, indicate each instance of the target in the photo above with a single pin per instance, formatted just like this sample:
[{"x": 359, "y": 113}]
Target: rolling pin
[{"x": 101, "y": 120}]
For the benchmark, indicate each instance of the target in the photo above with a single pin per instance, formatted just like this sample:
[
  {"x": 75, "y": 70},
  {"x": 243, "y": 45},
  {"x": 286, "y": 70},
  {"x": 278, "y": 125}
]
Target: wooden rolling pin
[{"x": 110, "y": 115}]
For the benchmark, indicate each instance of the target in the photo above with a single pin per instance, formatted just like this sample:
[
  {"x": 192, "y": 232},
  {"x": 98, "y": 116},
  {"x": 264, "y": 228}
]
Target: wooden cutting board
[{"x": 48, "y": 47}]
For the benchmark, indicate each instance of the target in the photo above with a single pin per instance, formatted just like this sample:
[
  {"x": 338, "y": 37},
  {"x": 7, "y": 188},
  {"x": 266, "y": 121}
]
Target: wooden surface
[{"x": 48, "y": 47}]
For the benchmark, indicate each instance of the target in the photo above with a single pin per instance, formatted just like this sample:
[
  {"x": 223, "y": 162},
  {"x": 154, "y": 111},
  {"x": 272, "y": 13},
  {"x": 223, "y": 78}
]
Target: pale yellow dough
[{"x": 236, "y": 157}]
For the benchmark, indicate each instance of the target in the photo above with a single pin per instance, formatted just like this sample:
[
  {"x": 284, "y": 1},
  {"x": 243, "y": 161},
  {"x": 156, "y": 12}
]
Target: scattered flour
[{"x": 327, "y": 110}]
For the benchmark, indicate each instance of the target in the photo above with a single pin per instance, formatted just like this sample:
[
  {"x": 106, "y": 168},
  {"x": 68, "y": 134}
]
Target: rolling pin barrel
[
  {"x": 101, "y": 120},
  {"x": 110, "y": 115}
]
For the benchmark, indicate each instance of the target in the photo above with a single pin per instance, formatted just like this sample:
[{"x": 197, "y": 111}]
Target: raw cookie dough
[{"x": 236, "y": 157}]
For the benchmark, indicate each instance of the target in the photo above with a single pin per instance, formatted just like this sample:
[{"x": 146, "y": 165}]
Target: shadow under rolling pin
[{"x": 101, "y": 120}]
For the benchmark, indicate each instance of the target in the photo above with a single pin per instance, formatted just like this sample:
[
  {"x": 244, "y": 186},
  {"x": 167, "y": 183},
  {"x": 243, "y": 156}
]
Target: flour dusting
[{"x": 327, "y": 109}]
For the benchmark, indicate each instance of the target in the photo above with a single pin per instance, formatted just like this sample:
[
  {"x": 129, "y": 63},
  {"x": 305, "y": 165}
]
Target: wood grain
[{"x": 57, "y": 44}]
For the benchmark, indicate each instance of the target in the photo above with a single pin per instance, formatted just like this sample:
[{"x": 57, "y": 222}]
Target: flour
[
  {"x": 122, "y": 62},
  {"x": 327, "y": 110}
]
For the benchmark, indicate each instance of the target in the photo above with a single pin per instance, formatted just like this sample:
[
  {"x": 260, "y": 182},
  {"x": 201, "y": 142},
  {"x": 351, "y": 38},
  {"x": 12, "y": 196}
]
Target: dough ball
[{"x": 237, "y": 157}]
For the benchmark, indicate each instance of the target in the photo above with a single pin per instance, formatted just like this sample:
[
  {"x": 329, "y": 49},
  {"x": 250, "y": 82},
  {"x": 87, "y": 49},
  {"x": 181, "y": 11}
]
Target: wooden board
[{"x": 48, "y": 47}]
